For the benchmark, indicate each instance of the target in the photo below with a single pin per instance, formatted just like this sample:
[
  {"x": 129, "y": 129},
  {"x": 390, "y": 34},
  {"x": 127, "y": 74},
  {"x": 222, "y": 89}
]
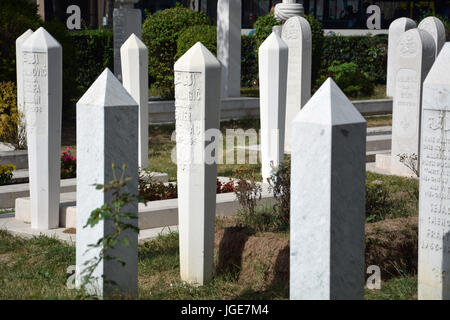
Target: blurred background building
[{"x": 334, "y": 14}]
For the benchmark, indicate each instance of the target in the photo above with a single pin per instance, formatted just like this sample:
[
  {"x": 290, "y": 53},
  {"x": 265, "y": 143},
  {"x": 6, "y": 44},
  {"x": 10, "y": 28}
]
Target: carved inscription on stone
[
  {"x": 408, "y": 46},
  {"x": 291, "y": 35},
  {"x": 406, "y": 101},
  {"x": 188, "y": 115},
  {"x": 435, "y": 192},
  {"x": 35, "y": 82}
]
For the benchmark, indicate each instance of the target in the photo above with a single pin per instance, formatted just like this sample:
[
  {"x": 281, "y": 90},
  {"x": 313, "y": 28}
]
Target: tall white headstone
[
  {"x": 197, "y": 110},
  {"x": 229, "y": 21},
  {"x": 126, "y": 21},
  {"x": 19, "y": 73},
  {"x": 134, "y": 56},
  {"x": 42, "y": 90},
  {"x": 107, "y": 133},
  {"x": 327, "y": 198},
  {"x": 415, "y": 54},
  {"x": 297, "y": 35},
  {"x": 434, "y": 199},
  {"x": 273, "y": 69},
  {"x": 396, "y": 29},
  {"x": 436, "y": 28}
]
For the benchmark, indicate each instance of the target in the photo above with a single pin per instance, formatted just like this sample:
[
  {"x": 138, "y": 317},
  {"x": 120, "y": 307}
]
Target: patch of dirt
[
  {"x": 392, "y": 244},
  {"x": 70, "y": 231},
  {"x": 261, "y": 260},
  {"x": 5, "y": 258},
  {"x": 257, "y": 260}
]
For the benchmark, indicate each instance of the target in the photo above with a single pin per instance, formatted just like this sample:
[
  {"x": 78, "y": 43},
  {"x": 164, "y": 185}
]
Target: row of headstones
[
  {"x": 411, "y": 54},
  {"x": 327, "y": 199},
  {"x": 112, "y": 127},
  {"x": 419, "y": 80},
  {"x": 39, "y": 100}
]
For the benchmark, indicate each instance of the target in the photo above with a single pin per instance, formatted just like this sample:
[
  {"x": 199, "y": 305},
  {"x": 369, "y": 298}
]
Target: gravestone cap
[
  {"x": 40, "y": 41},
  {"x": 329, "y": 105},
  {"x": 273, "y": 41},
  {"x": 107, "y": 91},
  {"x": 133, "y": 42},
  {"x": 440, "y": 72},
  {"x": 196, "y": 58}
]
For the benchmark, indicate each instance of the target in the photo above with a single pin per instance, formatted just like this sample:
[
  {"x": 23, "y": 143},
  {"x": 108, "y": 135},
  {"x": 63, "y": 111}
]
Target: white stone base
[
  {"x": 22, "y": 229},
  {"x": 156, "y": 214}
]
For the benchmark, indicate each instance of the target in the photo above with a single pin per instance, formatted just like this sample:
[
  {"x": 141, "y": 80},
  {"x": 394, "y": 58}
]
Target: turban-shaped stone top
[{"x": 288, "y": 9}]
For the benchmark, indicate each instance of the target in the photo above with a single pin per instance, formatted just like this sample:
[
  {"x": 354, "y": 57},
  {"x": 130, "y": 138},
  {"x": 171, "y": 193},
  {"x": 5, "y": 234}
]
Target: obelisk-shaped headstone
[
  {"x": 134, "y": 56},
  {"x": 414, "y": 57},
  {"x": 197, "y": 109},
  {"x": 396, "y": 29},
  {"x": 42, "y": 89},
  {"x": 273, "y": 69},
  {"x": 327, "y": 198},
  {"x": 20, "y": 96},
  {"x": 107, "y": 134},
  {"x": 434, "y": 200},
  {"x": 229, "y": 20},
  {"x": 297, "y": 35},
  {"x": 436, "y": 28},
  {"x": 126, "y": 21}
]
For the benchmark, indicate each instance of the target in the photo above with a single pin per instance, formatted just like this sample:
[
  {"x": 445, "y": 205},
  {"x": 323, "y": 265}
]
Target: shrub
[
  {"x": 206, "y": 34},
  {"x": 94, "y": 52},
  {"x": 349, "y": 77},
  {"x": 280, "y": 182},
  {"x": 249, "y": 65},
  {"x": 377, "y": 201},
  {"x": 68, "y": 164},
  {"x": 16, "y": 16},
  {"x": 9, "y": 116},
  {"x": 160, "y": 32},
  {"x": 263, "y": 28},
  {"x": 6, "y": 173},
  {"x": 317, "y": 45},
  {"x": 369, "y": 53}
]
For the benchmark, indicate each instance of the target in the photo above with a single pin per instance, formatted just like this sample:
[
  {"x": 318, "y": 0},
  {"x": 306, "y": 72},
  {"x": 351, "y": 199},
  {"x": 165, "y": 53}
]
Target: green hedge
[
  {"x": 206, "y": 34},
  {"x": 369, "y": 53},
  {"x": 249, "y": 63},
  {"x": 94, "y": 52},
  {"x": 160, "y": 32},
  {"x": 16, "y": 16}
]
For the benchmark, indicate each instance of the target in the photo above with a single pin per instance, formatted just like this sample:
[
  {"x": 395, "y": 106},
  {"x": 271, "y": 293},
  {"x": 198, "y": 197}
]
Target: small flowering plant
[
  {"x": 68, "y": 164},
  {"x": 6, "y": 173}
]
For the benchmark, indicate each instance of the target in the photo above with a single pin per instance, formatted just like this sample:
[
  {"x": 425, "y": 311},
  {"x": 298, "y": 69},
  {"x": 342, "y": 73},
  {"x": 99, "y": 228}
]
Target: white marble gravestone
[
  {"x": 126, "y": 21},
  {"x": 229, "y": 20},
  {"x": 107, "y": 133},
  {"x": 134, "y": 57},
  {"x": 42, "y": 90},
  {"x": 396, "y": 29},
  {"x": 197, "y": 109},
  {"x": 273, "y": 69},
  {"x": 436, "y": 28},
  {"x": 327, "y": 198},
  {"x": 414, "y": 57},
  {"x": 297, "y": 35},
  {"x": 19, "y": 72},
  {"x": 434, "y": 199}
]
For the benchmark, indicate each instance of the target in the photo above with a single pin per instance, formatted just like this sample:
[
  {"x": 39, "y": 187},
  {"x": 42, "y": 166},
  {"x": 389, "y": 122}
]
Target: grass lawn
[{"x": 37, "y": 268}]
